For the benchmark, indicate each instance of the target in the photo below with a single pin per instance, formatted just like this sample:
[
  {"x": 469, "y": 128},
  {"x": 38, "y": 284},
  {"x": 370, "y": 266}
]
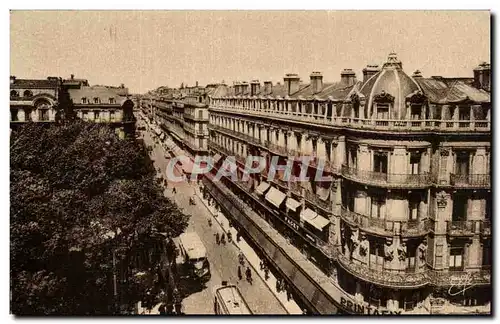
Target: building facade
[{"x": 404, "y": 220}]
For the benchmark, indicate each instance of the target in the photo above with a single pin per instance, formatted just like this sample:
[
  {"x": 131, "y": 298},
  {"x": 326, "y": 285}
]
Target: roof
[
  {"x": 392, "y": 84},
  {"x": 452, "y": 90},
  {"x": 193, "y": 245},
  {"x": 233, "y": 301},
  {"x": 34, "y": 84},
  {"x": 101, "y": 92}
]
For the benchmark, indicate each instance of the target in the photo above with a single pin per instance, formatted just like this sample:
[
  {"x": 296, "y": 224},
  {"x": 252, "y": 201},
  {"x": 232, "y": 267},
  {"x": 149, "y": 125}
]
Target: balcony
[
  {"x": 386, "y": 278},
  {"x": 462, "y": 228},
  {"x": 429, "y": 125},
  {"x": 387, "y": 179},
  {"x": 470, "y": 180},
  {"x": 328, "y": 166},
  {"x": 460, "y": 279},
  {"x": 407, "y": 228},
  {"x": 276, "y": 149}
]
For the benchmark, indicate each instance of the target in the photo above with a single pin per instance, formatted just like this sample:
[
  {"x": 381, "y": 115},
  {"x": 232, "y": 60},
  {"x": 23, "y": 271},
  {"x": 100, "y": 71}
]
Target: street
[{"x": 223, "y": 258}]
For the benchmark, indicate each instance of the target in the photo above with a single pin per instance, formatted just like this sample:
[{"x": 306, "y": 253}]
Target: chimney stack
[
  {"x": 12, "y": 79},
  {"x": 316, "y": 81},
  {"x": 72, "y": 76},
  {"x": 369, "y": 71},
  {"x": 268, "y": 87},
  {"x": 291, "y": 82},
  {"x": 417, "y": 74},
  {"x": 348, "y": 77},
  {"x": 197, "y": 84},
  {"x": 482, "y": 76},
  {"x": 244, "y": 88},
  {"x": 255, "y": 87}
]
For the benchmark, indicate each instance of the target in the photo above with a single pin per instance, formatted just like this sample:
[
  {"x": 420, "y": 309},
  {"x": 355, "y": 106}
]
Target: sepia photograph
[{"x": 250, "y": 162}]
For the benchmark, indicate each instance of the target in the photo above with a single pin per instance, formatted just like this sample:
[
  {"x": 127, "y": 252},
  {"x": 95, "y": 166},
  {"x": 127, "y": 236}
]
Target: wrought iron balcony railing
[
  {"x": 386, "y": 227},
  {"x": 464, "y": 228},
  {"x": 470, "y": 180},
  {"x": 387, "y": 179}
]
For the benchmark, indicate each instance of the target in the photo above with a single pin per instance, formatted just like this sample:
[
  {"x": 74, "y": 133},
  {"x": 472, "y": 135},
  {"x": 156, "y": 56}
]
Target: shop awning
[
  {"x": 319, "y": 222},
  {"x": 275, "y": 197},
  {"x": 307, "y": 214},
  {"x": 292, "y": 204},
  {"x": 262, "y": 188},
  {"x": 216, "y": 158}
]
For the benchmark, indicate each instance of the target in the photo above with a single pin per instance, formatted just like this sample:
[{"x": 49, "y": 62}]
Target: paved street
[{"x": 223, "y": 259}]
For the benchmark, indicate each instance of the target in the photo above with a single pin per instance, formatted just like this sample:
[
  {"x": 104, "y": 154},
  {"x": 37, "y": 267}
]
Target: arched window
[
  {"x": 27, "y": 93},
  {"x": 14, "y": 93}
]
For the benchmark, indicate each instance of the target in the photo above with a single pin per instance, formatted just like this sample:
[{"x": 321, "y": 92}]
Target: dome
[{"x": 389, "y": 86}]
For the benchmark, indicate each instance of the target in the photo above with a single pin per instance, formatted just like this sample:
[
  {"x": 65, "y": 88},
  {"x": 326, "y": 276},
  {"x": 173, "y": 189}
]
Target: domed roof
[{"x": 391, "y": 84}]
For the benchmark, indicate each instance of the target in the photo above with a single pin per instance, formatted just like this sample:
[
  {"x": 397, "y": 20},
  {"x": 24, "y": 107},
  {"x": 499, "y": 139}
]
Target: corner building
[{"x": 404, "y": 221}]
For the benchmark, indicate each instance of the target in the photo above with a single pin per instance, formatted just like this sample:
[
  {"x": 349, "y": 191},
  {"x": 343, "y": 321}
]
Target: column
[
  {"x": 360, "y": 202},
  {"x": 321, "y": 149},
  {"x": 364, "y": 158},
  {"x": 340, "y": 152}
]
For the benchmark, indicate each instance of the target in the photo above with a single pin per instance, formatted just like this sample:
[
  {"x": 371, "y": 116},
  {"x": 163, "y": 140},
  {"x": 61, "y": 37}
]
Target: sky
[{"x": 148, "y": 49}]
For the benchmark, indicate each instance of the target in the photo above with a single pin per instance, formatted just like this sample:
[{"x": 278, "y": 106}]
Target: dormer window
[
  {"x": 28, "y": 94},
  {"x": 14, "y": 93},
  {"x": 96, "y": 100},
  {"x": 84, "y": 100},
  {"x": 111, "y": 100},
  {"x": 382, "y": 111}
]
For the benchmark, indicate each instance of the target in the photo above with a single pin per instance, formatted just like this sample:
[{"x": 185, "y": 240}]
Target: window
[
  {"x": 13, "y": 115},
  {"x": 84, "y": 115},
  {"x": 439, "y": 256},
  {"x": 459, "y": 207},
  {"x": 329, "y": 110},
  {"x": 43, "y": 114},
  {"x": 14, "y": 93},
  {"x": 377, "y": 255},
  {"x": 96, "y": 100},
  {"x": 378, "y": 207},
  {"x": 464, "y": 113},
  {"x": 27, "y": 94},
  {"x": 456, "y": 258},
  {"x": 416, "y": 112},
  {"x": 111, "y": 100},
  {"x": 415, "y": 163},
  {"x": 380, "y": 162},
  {"x": 411, "y": 254},
  {"x": 462, "y": 164},
  {"x": 414, "y": 204},
  {"x": 200, "y": 114},
  {"x": 112, "y": 115},
  {"x": 487, "y": 255},
  {"x": 84, "y": 100},
  {"x": 96, "y": 115},
  {"x": 353, "y": 157},
  {"x": 382, "y": 111}
]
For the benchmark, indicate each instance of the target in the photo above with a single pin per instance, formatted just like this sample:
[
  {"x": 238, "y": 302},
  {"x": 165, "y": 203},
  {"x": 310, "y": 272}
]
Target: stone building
[{"x": 403, "y": 220}]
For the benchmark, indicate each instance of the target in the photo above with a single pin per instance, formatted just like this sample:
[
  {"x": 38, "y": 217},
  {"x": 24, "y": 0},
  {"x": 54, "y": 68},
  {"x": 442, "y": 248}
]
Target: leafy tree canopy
[{"x": 78, "y": 192}]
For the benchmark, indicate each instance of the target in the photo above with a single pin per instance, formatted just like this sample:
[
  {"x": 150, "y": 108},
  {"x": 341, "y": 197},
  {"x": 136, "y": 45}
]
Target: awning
[
  {"x": 262, "y": 188},
  {"x": 319, "y": 222},
  {"x": 307, "y": 214},
  {"x": 216, "y": 158},
  {"x": 275, "y": 197},
  {"x": 292, "y": 204},
  {"x": 323, "y": 193}
]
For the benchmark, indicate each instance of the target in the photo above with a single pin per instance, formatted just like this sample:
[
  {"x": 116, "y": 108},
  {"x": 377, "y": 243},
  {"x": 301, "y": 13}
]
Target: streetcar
[{"x": 229, "y": 301}]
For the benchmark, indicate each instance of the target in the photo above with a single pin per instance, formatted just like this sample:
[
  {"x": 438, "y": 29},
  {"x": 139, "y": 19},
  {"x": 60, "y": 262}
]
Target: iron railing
[
  {"x": 391, "y": 179},
  {"x": 470, "y": 180}
]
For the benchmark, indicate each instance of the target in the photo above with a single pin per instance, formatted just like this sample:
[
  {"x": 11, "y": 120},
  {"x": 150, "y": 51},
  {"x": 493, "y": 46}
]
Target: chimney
[
  {"x": 348, "y": 77},
  {"x": 268, "y": 87},
  {"x": 72, "y": 76},
  {"x": 254, "y": 87},
  {"x": 197, "y": 84},
  {"x": 316, "y": 81},
  {"x": 482, "y": 76},
  {"x": 12, "y": 79},
  {"x": 369, "y": 71},
  {"x": 291, "y": 82},
  {"x": 244, "y": 88},
  {"x": 417, "y": 74}
]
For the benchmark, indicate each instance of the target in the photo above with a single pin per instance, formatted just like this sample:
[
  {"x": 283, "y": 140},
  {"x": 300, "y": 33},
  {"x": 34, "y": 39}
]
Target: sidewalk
[{"x": 251, "y": 257}]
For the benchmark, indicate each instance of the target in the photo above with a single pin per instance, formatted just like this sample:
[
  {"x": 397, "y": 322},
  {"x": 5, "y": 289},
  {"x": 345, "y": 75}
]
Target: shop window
[{"x": 456, "y": 259}]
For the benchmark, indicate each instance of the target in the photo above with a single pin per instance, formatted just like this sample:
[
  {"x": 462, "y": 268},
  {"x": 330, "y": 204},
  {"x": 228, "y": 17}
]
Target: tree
[{"x": 80, "y": 195}]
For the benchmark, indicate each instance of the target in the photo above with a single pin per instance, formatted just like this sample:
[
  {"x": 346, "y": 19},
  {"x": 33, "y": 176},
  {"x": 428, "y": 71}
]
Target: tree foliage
[{"x": 78, "y": 193}]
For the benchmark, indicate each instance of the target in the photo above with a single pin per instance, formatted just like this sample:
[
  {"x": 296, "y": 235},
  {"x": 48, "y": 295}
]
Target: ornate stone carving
[
  {"x": 383, "y": 97},
  {"x": 402, "y": 252},
  {"x": 422, "y": 251},
  {"x": 363, "y": 246},
  {"x": 445, "y": 151},
  {"x": 389, "y": 250},
  {"x": 442, "y": 199}
]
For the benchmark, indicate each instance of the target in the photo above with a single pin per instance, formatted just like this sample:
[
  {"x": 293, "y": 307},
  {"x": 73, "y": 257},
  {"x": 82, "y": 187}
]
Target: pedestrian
[
  {"x": 304, "y": 311},
  {"x": 266, "y": 274},
  {"x": 288, "y": 294},
  {"x": 217, "y": 238},
  {"x": 249, "y": 275},
  {"x": 162, "y": 310},
  {"x": 261, "y": 264},
  {"x": 278, "y": 285},
  {"x": 238, "y": 237},
  {"x": 240, "y": 275},
  {"x": 174, "y": 191},
  {"x": 223, "y": 238}
]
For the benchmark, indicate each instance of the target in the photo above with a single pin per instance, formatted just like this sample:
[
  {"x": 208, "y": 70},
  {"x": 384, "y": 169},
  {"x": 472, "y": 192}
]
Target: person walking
[
  {"x": 266, "y": 273},
  {"x": 174, "y": 190},
  {"x": 238, "y": 237},
  {"x": 278, "y": 285},
  {"x": 261, "y": 265},
  {"x": 217, "y": 238},
  {"x": 240, "y": 275},
  {"x": 249, "y": 275},
  {"x": 223, "y": 238}
]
